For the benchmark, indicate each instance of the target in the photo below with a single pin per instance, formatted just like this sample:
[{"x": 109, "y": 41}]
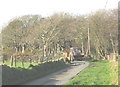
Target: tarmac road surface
[{"x": 62, "y": 76}]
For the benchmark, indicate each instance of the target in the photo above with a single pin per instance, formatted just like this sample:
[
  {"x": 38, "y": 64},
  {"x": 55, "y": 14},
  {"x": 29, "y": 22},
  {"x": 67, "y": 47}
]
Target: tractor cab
[{"x": 76, "y": 52}]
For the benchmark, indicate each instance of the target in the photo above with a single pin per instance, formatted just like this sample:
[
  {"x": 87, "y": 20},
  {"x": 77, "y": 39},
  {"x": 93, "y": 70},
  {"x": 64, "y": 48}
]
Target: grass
[
  {"x": 119, "y": 72},
  {"x": 19, "y": 75},
  {"x": 19, "y": 64},
  {"x": 26, "y": 64},
  {"x": 98, "y": 73}
]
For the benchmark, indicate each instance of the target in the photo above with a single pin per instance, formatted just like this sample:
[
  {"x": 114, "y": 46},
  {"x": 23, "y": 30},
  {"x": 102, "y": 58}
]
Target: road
[{"x": 62, "y": 76}]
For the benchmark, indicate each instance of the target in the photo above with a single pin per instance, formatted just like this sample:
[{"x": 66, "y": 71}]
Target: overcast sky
[{"x": 14, "y": 8}]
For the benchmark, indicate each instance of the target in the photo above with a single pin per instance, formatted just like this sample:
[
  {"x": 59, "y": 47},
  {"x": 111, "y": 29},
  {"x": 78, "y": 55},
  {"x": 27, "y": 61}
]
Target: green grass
[
  {"x": 119, "y": 74},
  {"x": 19, "y": 64},
  {"x": 99, "y": 73},
  {"x": 26, "y": 64},
  {"x": 13, "y": 75}
]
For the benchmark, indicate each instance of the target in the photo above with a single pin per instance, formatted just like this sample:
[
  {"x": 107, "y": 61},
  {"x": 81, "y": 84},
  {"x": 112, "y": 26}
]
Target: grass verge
[
  {"x": 19, "y": 64},
  {"x": 98, "y": 73}
]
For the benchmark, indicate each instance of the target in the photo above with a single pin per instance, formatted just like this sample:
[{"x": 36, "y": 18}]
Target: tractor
[{"x": 72, "y": 54}]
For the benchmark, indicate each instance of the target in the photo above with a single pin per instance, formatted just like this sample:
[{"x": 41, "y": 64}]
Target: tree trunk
[
  {"x": 23, "y": 48},
  {"x": 82, "y": 48},
  {"x": 112, "y": 44},
  {"x": 3, "y": 59},
  {"x": 53, "y": 52},
  {"x": 15, "y": 60},
  {"x": 16, "y": 49},
  {"x": 88, "y": 41},
  {"x": 48, "y": 53},
  {"x": 44, "y": 50},
  {"x": 113, "y": 47},
  {"x": 11, "y": 60}
]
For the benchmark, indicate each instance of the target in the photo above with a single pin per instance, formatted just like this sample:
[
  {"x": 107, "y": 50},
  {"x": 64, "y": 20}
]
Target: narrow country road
[{"x": 62, "y": 76}]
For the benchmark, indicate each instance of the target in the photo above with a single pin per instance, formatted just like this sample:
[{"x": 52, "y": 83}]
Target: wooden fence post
[
  {"x": 23, "y": 61},
  {"x": 30, "y": 60},
  {"x": 108, "y": 57}
]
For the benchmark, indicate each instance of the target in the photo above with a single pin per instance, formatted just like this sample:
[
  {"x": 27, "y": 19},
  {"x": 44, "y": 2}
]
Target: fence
[{"x": 31, "y": 59}]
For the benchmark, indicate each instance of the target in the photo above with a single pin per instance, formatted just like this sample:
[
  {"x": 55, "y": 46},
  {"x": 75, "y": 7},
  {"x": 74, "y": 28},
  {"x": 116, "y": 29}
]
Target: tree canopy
[{"x": 50, "y": 35}]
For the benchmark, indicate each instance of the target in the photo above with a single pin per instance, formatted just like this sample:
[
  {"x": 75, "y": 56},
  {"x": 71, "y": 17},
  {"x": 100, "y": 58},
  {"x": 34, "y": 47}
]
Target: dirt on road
[{"x": 61, "y": 77}]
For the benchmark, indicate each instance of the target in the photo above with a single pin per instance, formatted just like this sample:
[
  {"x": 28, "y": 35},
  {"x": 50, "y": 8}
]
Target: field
[
  {"x": 98, "y": 73},
  {"x": 27, "y": 64},
  {"x": 19, "y": 64}
]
